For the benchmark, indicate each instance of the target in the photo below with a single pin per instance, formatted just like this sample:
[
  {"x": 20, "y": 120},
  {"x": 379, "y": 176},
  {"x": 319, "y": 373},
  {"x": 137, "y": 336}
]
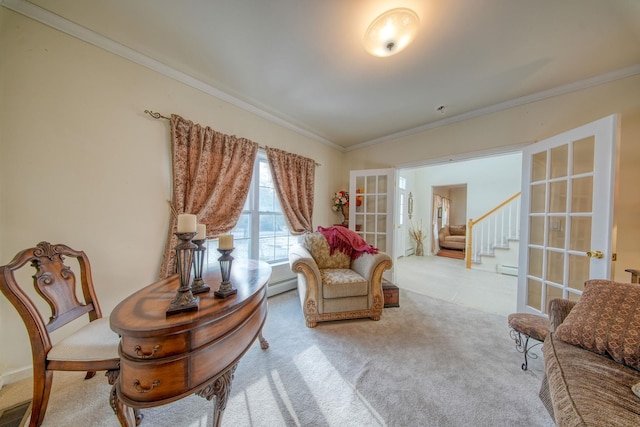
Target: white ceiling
[{"x": 302, "y": 62}]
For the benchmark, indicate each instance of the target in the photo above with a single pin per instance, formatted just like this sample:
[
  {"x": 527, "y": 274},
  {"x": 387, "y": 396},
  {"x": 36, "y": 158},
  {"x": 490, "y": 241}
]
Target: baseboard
[
  {"x": 508, "y": 270},
  {"x": 16, "y": 375},
  {"x": 282, "y": 286}
]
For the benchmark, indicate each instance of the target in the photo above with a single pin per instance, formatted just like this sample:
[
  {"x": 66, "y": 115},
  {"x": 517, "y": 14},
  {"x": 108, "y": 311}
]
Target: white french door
[
  {"x": 371, "y": 213},
  {"x": 567, "y": 214}
]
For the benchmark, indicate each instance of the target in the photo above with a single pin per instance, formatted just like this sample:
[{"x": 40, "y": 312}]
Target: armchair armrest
[
  {"x": 558, "y": 310},
  {"x": 443, "y": 232},
  {"x": 370, "y": 265},
  {"x": 301, "y": 261}
]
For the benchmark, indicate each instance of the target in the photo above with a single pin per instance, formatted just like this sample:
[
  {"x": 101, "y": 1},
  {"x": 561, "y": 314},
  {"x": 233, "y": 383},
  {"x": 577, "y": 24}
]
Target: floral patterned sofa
[
  {"x": 335, "y": 287},
  {"x": 592, "y": 357}
]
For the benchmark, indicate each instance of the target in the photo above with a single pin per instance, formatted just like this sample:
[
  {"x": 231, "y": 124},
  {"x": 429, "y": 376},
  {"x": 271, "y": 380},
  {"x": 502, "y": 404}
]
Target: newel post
[{"x": 467, "y": 250}]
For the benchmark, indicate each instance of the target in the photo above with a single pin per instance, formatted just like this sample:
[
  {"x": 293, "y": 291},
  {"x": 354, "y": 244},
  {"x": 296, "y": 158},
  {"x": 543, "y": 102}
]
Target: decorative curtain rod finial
[{"x": 155, "y": 115}]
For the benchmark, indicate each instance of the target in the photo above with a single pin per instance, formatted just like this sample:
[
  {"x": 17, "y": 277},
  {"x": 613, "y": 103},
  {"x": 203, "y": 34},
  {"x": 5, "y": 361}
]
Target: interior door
[
  {"x": 567, "y": 214},
  {"x": 372, "y": 214}
]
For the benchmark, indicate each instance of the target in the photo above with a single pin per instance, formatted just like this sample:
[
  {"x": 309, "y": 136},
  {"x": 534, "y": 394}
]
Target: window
[{"x": 261, "y": 232}]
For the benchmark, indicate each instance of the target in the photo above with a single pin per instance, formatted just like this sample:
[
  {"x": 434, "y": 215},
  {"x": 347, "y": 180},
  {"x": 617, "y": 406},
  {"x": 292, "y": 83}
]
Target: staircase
[{"x": 493, "y": 239}]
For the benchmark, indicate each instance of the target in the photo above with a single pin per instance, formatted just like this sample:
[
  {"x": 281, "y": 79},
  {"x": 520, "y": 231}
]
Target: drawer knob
[
  {"x": 139, "y": 389},
  {"x": 141, "y": 354}
]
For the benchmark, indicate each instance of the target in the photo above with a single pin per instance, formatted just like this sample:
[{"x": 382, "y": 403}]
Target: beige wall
[{"x": 81, "y": 164}]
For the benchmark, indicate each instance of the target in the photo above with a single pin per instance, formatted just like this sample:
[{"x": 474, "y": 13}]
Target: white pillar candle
[
  {"x": 186, "y": 223},
  {"x": 201, "y": 233},
  {"x": 225, "y": 241}
]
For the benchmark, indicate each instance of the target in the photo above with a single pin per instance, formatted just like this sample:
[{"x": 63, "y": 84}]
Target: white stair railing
[{"x": 493, "y": 230}]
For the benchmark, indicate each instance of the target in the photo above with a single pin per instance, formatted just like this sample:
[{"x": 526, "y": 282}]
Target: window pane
[
  {"x": 555, "y": 237},
  {"x": 539, "y": 166},
  {"x": 535, "y": 262},
  {"x": 538, "y": 197},
  {"x": 267, "y": 199},
  {"x": 559, "y": 161},
  {"x": 534, "y": 294},
  {"x": 555, "y": 267},
  {"x": 583, "y": 151},
  {"x": 265, "y": 174},
  {"x": 558, "y": 196},
  {"x": 580, "y": 233},
  {"x": 582, "y": 200}
]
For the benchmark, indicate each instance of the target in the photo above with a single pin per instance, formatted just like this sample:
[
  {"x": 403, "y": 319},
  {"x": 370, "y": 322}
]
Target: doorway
[
  {"x": 473, "y": 186},
  {"x": 448, "y": 220}
]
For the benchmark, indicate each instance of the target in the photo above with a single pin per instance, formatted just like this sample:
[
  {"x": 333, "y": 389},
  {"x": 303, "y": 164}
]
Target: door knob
[{"x": 595, "y": 254}]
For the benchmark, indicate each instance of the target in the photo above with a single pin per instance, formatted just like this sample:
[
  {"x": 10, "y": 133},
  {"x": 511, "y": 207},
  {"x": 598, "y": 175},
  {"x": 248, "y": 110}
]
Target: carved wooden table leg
[
  {"x": 264, "y": 344},
  {"x": 128, "y": 417},
  {"x": 220, "y": 388}
]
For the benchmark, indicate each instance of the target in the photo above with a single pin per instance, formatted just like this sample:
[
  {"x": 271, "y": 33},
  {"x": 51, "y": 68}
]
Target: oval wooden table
[{"x": 165, "y": 358}]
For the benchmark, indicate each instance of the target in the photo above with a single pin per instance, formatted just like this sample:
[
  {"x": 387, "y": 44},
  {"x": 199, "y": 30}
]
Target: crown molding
[
  {"x": 559, "y": 90},
  {"x": 59, "y": 23}
]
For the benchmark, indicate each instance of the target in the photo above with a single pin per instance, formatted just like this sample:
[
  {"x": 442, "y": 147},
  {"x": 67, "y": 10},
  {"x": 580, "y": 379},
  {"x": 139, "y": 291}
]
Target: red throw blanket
[{"x": 346, "y": 241}]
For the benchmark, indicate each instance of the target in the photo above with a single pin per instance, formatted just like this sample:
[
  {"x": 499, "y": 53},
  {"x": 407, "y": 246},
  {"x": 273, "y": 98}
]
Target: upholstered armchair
[{"x": 335, "y": 287}]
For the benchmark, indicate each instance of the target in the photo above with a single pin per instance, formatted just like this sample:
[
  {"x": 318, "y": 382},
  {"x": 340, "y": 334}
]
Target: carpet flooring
[{"x": 425, "y": 363}]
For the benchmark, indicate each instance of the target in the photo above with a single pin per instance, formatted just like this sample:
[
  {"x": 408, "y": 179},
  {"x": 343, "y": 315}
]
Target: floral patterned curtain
[
  {"x": 211, "y": 178},
  {"x": 294, "y": 179}
]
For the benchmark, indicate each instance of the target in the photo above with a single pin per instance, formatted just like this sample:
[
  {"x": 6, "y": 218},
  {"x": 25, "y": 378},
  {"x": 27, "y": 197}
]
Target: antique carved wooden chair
[{"x": 94, "y": 347}]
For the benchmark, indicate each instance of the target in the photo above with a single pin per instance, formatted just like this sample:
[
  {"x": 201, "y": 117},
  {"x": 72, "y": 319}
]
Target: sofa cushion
[
  {"x": 342, "y": 282},
  {"x": 606, "y": 320},
  {"x": 458, "y": 230},
  {"x": 454, "y": 238},
  {"x": 587, "y": 389},
  {"x": 318, "y": 246}
]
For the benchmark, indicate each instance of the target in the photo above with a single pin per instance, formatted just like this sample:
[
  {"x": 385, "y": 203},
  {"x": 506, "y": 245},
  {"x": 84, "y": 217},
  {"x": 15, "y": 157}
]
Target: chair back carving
[{"x": 55, "y": 282}]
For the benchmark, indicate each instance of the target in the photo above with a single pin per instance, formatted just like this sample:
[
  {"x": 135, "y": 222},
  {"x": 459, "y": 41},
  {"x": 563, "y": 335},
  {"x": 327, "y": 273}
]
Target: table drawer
[
  {"x": 154, "y": 347},
  {"x": 152, "y": 381}
]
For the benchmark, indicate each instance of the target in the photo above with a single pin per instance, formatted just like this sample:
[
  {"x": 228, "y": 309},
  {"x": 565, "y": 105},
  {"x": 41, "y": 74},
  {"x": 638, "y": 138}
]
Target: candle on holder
[
  {"x": 186, "y": 223},
  {"x": 225, "y": 241},
  {"x": 201, "y": 232}
]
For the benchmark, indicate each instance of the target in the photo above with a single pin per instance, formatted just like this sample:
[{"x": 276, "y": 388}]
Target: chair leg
[{"x": 41, "y": 390}]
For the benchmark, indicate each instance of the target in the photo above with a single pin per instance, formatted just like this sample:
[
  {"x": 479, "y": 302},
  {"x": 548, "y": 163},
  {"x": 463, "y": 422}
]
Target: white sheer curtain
[
  {"x": 446, "y": 205},
  {"x": 437, "y": 201}
]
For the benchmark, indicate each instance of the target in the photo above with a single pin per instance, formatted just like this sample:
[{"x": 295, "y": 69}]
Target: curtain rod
[{"x": 160, "y": 116}]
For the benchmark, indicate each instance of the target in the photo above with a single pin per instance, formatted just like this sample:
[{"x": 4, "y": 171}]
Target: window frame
[{"x": 255, "y": 237}]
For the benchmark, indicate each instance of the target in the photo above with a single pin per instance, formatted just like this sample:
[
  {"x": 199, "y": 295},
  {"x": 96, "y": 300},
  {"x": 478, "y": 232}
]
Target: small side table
[
  {"x": 531, "y": 326},
  {"x": 391, "y": 294}
]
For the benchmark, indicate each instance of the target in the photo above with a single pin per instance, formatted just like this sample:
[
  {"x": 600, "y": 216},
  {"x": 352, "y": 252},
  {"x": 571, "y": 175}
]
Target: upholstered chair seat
[
  {"x": 93, "y": 342},
  {"x": 332, "y": 285}
]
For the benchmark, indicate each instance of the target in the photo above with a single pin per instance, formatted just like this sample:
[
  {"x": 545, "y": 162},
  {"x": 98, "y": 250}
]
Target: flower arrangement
[
  {"x": 340, "y": 199},
  {"x": 418, "y": 234}
]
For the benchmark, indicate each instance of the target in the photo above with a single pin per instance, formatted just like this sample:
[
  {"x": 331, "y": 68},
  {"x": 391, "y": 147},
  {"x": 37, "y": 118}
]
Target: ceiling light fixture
[{"x": 391, "y": 32}]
